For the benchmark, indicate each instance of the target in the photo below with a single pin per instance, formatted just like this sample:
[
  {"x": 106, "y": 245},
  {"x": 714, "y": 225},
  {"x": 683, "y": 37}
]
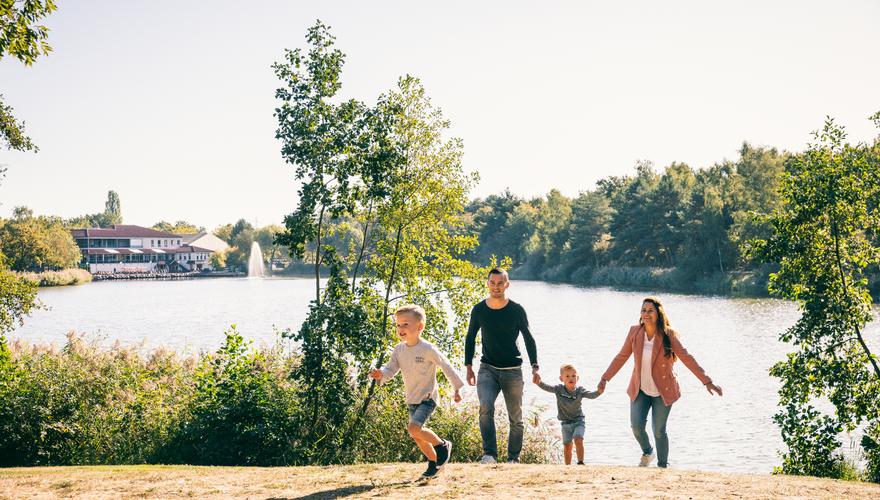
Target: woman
[{"x": 655, "y": 347}]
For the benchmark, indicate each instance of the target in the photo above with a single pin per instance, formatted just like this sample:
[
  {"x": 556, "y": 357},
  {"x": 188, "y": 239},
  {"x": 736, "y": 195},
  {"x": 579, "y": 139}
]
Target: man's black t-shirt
[{"x": 500, "y": 328}]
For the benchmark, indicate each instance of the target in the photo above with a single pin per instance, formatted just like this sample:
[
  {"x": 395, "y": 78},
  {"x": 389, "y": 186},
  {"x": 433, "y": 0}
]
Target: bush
[{"x": 242, "y": 410}]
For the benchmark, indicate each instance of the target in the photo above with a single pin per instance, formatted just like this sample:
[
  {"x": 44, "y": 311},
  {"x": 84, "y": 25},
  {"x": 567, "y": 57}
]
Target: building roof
[
  {"x": 145, "y": 251},
  {"x": 121, "y": 231},
  {"x": 205, "y": 240}
]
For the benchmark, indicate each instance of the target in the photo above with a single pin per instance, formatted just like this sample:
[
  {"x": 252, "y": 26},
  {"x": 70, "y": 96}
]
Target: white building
[
  {"x": 205, "y": 239},
  {"x": 136, "y": 249}
]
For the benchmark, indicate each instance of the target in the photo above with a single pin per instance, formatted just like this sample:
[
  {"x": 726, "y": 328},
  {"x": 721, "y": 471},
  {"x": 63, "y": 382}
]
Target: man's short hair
[
  {"x": 497, "y": 270},
  {"x": 567, "y": 366},
  {"x": 417, "y": 311}
]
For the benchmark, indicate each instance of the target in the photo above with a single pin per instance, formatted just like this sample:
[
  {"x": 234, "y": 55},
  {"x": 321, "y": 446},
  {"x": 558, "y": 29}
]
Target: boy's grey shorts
[
  {"x": 572, "y": 429},
  {"x": 419, "y": 414}
]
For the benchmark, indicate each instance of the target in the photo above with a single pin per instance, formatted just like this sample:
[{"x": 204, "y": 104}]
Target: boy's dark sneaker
[
  {"x": 444, "y": 452},
  {"x": 432, "y": 470}
]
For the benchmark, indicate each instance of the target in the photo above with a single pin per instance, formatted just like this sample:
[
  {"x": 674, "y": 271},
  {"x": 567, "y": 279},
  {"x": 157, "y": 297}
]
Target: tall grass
[{"x": 63, "y": 277}]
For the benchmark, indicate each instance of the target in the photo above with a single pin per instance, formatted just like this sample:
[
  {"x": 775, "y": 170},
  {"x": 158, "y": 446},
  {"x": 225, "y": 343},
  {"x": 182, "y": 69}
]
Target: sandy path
[{"x": 395, "y": 481}]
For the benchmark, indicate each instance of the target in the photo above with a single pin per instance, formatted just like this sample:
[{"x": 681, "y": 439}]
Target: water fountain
[{"x": 255, "y": 262}]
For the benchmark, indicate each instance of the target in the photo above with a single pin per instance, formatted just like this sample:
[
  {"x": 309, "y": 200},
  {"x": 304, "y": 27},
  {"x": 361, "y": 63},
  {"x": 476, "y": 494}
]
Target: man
[{"x": 501, "y": 320}]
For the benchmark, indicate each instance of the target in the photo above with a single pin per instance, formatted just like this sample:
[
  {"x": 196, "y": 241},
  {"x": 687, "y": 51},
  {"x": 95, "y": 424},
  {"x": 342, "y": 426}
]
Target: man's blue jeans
[
  {"x": 638, "y": 419},
  {"x": 491, "y": 381}
]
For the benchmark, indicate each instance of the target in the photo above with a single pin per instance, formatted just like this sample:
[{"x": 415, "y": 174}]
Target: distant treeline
[{"x": 682, "y": 229}]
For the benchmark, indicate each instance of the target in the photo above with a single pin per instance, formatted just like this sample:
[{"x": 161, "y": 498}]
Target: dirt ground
[{"x": 397, "y": 481}]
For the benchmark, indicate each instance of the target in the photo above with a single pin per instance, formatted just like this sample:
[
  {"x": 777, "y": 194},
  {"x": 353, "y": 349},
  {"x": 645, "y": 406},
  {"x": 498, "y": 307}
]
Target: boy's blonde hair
[
  {"x": 566, "y": 367},
  {"x": 413, "y": 309}
]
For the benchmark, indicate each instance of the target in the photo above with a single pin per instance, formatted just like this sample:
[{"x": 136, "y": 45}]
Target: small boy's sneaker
[
  {"x": 431, "y": 471},
  {"x": 444, "y": 452},
  {"x": 487, "y": 459}
]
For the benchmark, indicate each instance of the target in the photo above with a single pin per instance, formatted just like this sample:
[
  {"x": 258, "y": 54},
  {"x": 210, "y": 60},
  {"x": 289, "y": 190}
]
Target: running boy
[
  {"x": 418, "y": 360},
  {"x": 568, "y": 405}
]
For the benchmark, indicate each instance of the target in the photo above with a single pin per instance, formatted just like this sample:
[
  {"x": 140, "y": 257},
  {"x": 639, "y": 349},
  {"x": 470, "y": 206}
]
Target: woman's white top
[{"x": 647, "y": 383}]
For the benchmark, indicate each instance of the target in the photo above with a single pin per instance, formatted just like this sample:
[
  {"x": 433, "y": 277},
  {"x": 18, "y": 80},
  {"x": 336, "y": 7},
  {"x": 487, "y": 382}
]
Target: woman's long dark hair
[{"x": 662, "y": 325}]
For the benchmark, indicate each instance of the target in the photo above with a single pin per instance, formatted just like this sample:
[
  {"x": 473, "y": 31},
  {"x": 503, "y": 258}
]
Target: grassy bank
[
  {"x": 72, "y": 276},
  {"x": 396, "y": 481}
]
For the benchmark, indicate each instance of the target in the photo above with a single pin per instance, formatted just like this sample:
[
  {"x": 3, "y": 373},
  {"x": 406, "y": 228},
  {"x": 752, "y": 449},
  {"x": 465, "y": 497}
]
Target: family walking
[{"x": 653, "y": 344}]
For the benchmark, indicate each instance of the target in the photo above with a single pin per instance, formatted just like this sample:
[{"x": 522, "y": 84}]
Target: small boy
[
  {"x": 418, "y": 360},
  {"x": 568, "y": 406}
]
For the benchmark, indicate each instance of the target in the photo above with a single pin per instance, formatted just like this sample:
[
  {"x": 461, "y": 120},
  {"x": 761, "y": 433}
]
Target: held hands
[
  {"x": 471, "y": 378},
  {"x": 601, "y": 386},
  {"x": 536, "y": 378},
  {"x": 376, "y": 374},
  {"x": 710, "y": 387},
  {"x": 456, "y": 397}
]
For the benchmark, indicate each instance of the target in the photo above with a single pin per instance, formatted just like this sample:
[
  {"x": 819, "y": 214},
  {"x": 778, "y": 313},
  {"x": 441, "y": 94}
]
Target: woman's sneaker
[
  {"x": 646, "y": 459},
  {"x": 444, "y": 452},
  {"x": 431, "y": 471}
]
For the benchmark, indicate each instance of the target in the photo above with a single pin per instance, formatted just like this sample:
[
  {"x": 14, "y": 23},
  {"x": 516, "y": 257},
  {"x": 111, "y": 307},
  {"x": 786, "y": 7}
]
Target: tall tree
[
  {"x": 822, "y": 237},
  {"x": 388, "y": 168},
  {"x": 24, "y": 39}
]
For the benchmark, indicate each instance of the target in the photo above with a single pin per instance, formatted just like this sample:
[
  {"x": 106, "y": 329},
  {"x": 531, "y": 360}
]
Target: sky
[{"x": 170, "y": 103}]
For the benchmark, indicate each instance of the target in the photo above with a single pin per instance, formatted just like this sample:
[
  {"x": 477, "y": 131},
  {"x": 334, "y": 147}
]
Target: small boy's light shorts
[
  {"x": 419, "y": 414},
  {"x": 572, "y": 429}
]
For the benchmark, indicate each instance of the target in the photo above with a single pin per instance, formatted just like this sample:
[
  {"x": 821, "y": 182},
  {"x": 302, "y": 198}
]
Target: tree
[
  {"x": 24, "y": 40},
  {"x": 112, "y": 209},
  {"x": 12, "y": 135},
  {"x": 822, "y": 237},
  {"x": 388, "y": 169},
  {"x": 36, "y": 243},
  {"x": 179, "y": 227},
  {"x": 590, "y": 216},
  {"x": 224, "y": 232}
]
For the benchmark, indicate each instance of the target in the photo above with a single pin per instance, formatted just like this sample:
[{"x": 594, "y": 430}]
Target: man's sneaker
[
  {"x": 581, "y": 463},
  {"x": 432, "y": 470},
  {"x": 513, "y": 460},
  {"x": 646, "y": 459},
  {"x": 444, "y": 452},
  {"x": 487, "y": 459}
]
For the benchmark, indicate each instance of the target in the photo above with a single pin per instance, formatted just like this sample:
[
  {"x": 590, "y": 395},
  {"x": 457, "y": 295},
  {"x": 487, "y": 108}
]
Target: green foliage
[
  {"x": 824, "y": 236},
  {"x": 242, "y": 409},
  {"x": 37, "y": 243},
  {"x": 24, "y": 39},
  {"x": 12, "y": 134},
  {"x": 18, "y": 297},
  {"x": 20, "y": 36}
]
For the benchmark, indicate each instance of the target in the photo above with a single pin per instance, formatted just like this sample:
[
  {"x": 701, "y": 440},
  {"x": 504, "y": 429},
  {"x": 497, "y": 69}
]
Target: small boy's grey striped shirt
[{"x": 419, "y": 364}]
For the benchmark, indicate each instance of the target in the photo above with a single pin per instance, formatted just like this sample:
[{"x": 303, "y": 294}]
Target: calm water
[{"x": 735, "y": 340}]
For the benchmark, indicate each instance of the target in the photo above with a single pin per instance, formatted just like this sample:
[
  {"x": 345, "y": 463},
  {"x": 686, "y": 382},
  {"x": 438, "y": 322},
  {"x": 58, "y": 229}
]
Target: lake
[{"x": 735, "y": 340}]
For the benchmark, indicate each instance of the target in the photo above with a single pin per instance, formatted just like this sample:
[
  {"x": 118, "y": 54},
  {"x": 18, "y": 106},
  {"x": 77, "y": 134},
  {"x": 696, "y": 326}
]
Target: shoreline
[{"x": 399, "y": 480}]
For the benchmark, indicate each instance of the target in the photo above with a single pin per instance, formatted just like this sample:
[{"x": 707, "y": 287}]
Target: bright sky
[{"x": 170, "y": 103}]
